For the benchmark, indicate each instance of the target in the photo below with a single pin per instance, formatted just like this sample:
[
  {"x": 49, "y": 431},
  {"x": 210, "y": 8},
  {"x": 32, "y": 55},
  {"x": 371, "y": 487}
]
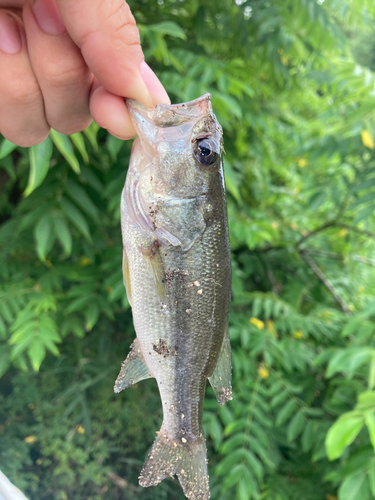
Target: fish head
[{"x": 179, "y": 145}]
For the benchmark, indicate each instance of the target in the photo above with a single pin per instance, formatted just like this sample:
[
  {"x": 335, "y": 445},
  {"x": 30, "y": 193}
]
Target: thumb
[{"x": 109, "y": 41}]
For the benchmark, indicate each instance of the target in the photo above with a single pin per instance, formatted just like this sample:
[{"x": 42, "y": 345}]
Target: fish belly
[{"x": 181, "y": 322}]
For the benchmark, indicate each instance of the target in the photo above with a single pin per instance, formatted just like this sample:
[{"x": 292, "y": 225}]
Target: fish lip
[
  {"x": 171, "y": 115},
  {"x": 205, "y": 98}
]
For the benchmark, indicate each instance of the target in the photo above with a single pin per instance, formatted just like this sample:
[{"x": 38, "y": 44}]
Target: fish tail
[{"x": 185, "y": 459}]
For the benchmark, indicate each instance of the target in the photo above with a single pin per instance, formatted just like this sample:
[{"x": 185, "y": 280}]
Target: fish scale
[{"x": 177, "y": 275}]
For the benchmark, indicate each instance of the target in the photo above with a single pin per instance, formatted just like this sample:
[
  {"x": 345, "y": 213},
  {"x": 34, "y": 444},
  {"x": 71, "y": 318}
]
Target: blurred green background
[{"x": 293, "y": 87}]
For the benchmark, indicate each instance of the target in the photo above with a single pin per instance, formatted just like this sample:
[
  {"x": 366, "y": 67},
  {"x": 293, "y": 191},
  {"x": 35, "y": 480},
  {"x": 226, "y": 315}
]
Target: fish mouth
[{"x": 172, "y": 115}]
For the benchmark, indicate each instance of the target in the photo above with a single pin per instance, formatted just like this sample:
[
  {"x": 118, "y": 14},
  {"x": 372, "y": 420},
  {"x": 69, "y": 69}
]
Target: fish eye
[{"x": 205, "y": 151}]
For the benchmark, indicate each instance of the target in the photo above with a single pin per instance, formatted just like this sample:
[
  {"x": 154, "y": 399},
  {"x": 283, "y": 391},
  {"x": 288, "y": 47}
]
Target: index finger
[{"x": 109, "y": 41}]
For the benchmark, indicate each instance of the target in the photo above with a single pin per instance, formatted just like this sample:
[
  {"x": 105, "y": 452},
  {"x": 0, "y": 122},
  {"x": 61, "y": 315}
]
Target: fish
[{"x": 177, "y": 275}]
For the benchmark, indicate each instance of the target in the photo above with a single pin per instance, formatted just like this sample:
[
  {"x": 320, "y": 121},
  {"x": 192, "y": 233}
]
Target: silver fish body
[{"x": 177, "y": 276}]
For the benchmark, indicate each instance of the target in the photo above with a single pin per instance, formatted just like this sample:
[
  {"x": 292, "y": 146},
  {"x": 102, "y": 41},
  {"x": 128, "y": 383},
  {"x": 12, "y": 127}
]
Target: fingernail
[
  {"x": 10, "y": 38},
  {"x": 48, "y": 17},
  {"x": 154, "y": 86}
]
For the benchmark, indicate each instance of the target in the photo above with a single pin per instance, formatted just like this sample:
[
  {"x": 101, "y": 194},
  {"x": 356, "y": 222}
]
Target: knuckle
[
  {"x": 59, "y": 75},
  {"x": 24, "y": 92}
]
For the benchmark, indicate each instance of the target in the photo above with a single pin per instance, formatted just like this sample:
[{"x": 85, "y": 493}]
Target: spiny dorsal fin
[
  {"x": 133, "y": 369},
  {"x": 220, "y": 380}
]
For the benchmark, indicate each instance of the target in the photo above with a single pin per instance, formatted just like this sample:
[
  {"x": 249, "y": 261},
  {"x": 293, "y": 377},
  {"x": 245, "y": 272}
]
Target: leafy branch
[{"x": 326, "y": 282}]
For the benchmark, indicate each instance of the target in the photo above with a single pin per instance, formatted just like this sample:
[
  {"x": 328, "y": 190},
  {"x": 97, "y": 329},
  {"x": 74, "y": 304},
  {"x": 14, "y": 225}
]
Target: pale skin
[{"x": 66, "y": 62}]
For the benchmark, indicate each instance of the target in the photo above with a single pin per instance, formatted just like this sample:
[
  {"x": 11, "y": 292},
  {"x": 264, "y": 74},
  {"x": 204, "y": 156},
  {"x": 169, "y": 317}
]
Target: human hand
[{"x": 62, "y": 65}]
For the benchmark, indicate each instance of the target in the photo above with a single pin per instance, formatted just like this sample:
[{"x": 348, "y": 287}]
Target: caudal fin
[{"x": 186, "y": 460}]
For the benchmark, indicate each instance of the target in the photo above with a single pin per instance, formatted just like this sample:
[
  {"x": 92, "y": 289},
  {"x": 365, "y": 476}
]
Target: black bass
[{"x": 177, "y": 275}]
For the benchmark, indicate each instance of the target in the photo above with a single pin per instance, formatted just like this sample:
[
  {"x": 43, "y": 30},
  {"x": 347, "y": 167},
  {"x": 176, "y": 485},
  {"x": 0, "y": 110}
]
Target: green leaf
[
  {"x": 64, "y": 145},
  {"x": 62, "y": 232},
  {"x": 4, "y": 358},
  {"x": 342, "y": 434},
  {"x": 40, "y": 156},
  {"x": 8, "y": 166},
  {"x": 114, "y": 145},
  {"x": 79, "y": 143},
  {"x": 308, "y": 436},
  {"x": 81, "y": 198},
  {"x": 296, "y": 426},
  {"x": 90, "y": 133},
  {"x": 37, "y": 352},
  {"x": 366, "y": 401},
  {"x": 168, "y": 28},
  {"x": 371, "y": 479},
  {"x": 6, "y": 148},
  {"x": 286, "y": 412},
  {"x": 92, "y": 315},
  {"x": 3, "y": 329},
  {"x": 44, "y": 236},
  {"x": 371, "y": 376},
  {"x": 355, "y": 488},
  {"x": 75, "y": 217},
  {"x": 370, "y": 424},
  {"x": 348, "y": 360}
]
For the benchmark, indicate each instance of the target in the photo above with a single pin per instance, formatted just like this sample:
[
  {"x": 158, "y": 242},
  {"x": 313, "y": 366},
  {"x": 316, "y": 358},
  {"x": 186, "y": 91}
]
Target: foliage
[{"x": 298, "y": 117}]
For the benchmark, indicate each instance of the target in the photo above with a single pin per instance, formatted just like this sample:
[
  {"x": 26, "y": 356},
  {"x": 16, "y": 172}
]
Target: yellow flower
[
  {"x": 275, "y": 224},
  {"x": 39, "y": 461},
  {"x": 284, "y": 60},
  {"x": 85, "y": 261},
  {"x": 80, "y": 429},
  {"x": 293, "y": 225},
  {"x": 263, "y": 372},
  {"x": 343, "y": 233},
  {"x": 30, "y": 439},
  {"x": 257, "y": 322},
  {"x": 367, "y": 139},
  {"x": 330, "y": 497},
  {"x": 64, "y": 496},
  {"x": 298, "y": 334},
  {"x": 361, "y": 288},
  {"x": 271, "y": 328},
  {"x": 301, "y": 162}
]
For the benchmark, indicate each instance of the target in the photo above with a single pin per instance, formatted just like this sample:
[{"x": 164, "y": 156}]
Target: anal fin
[
  {"x": 221, "y": 378},
  {"x": 133, "y": 369}
]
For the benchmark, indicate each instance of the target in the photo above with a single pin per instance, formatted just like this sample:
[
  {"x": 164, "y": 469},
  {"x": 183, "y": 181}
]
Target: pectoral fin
[
  {"x": 133, "y": 369},
  {"x": 126, "y": 275},
  {"x": 220, "y": 380}
]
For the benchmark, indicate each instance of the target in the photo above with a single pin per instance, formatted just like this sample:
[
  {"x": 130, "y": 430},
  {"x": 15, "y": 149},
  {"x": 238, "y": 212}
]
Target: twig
[
  {"x": 364, "y": 260},
  {"x": 319, "y": 273},
  {"x": 121, "y": 482},
  {"x": 333, "y": 255},
  {"x": 314, "y": 232},
  {"x": 269, "y": 273},
  {"x": 357, "y": 230},
  {"x": 321, "y": 253}
]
